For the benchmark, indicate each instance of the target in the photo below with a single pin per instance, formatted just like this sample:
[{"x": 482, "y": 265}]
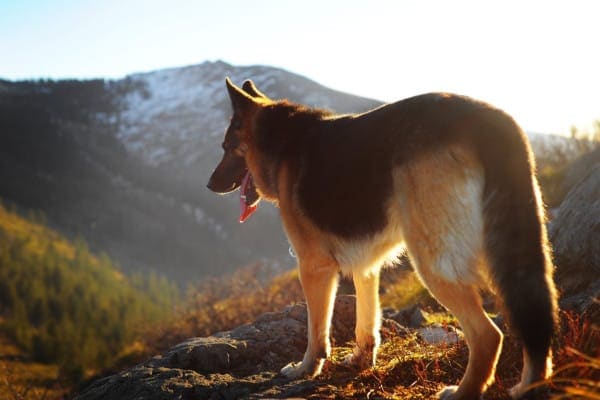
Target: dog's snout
[
  {"x": 215, "y": 186},
  {"x": 221, "y": 185},
  {"x": 211, "y": 184}
]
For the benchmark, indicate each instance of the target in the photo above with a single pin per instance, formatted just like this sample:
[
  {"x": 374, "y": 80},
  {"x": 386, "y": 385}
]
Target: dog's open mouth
[{"x": 249, "y": 197}]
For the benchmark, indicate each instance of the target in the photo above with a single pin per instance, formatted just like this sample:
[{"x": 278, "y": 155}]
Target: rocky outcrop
[
  {"x": 241, "y": 363},
  {"x": 578, "y": 169},
  {"x": 575, "y": 236}
]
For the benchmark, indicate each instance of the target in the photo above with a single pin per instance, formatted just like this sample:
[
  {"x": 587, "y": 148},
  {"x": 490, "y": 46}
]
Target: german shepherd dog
[{"x": 449, "y": 178}]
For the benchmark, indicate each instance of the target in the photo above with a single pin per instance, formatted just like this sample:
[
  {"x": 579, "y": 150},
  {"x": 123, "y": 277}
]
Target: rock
[
  {"x": 241, "y": 363},
  {"x": 437, "y": 334},
  {"x": 579, "y": 168},
  {"x": 575, "y": 236},
  {"x": 412, "y": 317}
]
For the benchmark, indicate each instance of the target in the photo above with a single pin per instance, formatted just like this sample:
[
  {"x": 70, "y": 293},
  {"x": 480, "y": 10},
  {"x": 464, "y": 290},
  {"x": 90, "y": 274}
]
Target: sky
[{"x": 538, "y": 60}]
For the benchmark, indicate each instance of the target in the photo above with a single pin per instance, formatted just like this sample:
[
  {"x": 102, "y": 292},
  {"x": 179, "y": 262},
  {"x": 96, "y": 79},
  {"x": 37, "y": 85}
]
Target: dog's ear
[
  {"x": 250, "y": 88},
  {"x": 242, "y": 102}
]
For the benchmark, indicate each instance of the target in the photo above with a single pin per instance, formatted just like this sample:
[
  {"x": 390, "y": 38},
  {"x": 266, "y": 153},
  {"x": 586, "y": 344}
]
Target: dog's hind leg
[
  {"x": 444, "y": 233},
  {"x": 483, "y": 338},
  {"x": 319, "y": 285},
  {"x": 368, "y": 319},
  {"x": 448, "y": 265}
]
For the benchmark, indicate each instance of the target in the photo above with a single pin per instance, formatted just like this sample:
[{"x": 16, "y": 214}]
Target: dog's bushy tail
[{"x": 515, "y": 234}]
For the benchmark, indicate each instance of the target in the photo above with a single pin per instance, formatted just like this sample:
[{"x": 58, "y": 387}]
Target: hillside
[{"x": 60, "y": 304}]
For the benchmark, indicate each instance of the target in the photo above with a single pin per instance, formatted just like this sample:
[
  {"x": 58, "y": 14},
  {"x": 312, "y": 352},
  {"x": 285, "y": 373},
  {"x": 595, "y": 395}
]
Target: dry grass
[
  {"x": 577, "y": 374},
  {"x": 408, "y": 368},
  {"x": 21, "y": 379},
  {"x": 223, "y": 303}
]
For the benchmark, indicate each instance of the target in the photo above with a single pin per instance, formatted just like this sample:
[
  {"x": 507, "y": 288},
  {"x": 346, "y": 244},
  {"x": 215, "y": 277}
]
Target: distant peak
[{"x": 217, "y": 63}]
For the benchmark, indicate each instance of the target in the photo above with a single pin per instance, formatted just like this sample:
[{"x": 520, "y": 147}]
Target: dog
[{"x": 449, "y": 178}]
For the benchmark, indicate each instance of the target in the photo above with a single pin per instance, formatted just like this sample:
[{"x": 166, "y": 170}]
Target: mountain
[
  {"x": 124, "y": 164},
  {"x": 180, "y": 113}
]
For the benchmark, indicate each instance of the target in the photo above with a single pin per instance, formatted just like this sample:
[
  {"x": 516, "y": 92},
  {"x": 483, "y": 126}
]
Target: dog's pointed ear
[
  {"x": 250, "y": 88},
  {"x": 242, "y": 102}
]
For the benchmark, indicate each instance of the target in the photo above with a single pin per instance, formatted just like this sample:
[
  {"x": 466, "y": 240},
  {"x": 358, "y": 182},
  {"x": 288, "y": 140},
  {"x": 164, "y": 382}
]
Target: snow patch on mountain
[
  {"x": 178, "y": 110},
  {"x": 179, "y": 115}
]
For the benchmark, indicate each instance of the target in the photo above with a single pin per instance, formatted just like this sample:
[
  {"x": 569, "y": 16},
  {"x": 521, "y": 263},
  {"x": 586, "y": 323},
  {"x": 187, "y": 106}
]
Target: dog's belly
[{"x": 369, "y": 254}]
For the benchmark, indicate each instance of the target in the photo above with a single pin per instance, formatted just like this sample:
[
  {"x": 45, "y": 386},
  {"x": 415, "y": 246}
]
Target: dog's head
[{"x": 232, "y": 172}]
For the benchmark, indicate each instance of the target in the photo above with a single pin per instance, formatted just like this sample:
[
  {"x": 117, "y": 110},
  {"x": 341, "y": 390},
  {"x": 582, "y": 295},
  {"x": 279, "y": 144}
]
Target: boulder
[
  {"x": 240, "y": 363},
  {"x": 412, "y": 316},
  {"x": 575, "y": 237},
  {"x": 579, "y": 168},
  {"x": 440, "y": 335}
]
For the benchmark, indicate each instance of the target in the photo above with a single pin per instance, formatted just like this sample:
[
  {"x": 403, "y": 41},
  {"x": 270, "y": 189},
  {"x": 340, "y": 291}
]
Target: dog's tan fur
[{"x": 436, "y": 210}]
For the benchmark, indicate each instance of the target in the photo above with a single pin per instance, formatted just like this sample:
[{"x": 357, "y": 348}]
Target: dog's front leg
[
  {"x": 319, "y": 284},
  {"x": 368, "y": 320}
]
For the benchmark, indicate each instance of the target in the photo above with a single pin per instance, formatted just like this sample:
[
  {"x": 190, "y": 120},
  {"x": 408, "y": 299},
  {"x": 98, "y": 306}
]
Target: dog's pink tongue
[{"x": 246, "y": 209}]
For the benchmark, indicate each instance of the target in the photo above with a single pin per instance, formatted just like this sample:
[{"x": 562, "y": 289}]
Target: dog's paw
[
  {"x": 522, "y": 391},
  {"x": 517, "y": 391},
  {"x": 296, "y": 370},
  {"x": 293, "y": 370},
  {"x": 447, "y": 393},
  {"x": 359, "y": 359}
]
